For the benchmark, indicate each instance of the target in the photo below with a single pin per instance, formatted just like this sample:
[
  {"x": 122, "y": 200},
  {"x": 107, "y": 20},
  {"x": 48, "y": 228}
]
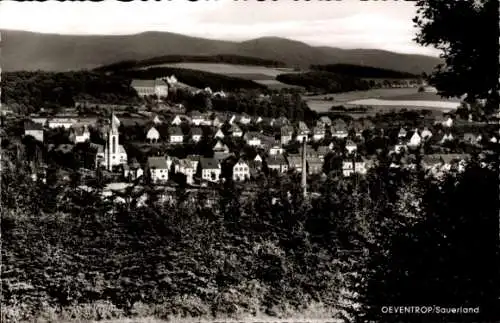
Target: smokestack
[{"x": 304, "y": 168}]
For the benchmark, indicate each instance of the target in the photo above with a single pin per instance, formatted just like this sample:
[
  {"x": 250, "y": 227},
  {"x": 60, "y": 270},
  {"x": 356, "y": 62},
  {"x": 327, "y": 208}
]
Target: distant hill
[
  {"x": 169, "y": 59},
  {"x": 33, "y": 51},
  {"x": 364, "y": 71}
]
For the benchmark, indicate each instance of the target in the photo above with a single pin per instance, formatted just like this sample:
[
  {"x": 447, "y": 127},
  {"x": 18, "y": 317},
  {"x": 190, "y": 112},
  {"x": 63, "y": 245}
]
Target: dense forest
[
  {"x": 228, "y": 59},
  {"x": 326, "y": 82},
  {"x": 26, "y": 92},
  {"x": 73, "y": 255},
  {"x": 363, "y": 71}
]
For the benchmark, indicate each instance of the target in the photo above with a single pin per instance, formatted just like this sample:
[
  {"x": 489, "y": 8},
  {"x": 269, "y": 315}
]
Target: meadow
[{"x": 260, "y": 74}]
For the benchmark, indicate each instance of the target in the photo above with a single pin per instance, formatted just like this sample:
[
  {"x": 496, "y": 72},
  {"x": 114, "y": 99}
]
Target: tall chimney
[{"x": 304, "y": 168}]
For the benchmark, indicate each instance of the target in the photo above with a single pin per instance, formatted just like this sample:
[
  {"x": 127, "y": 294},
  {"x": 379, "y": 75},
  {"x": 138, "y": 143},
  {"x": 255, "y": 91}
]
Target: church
[{"x": 112, "y": 153}]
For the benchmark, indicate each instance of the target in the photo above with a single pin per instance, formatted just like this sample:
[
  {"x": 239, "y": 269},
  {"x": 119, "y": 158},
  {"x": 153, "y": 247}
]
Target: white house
[
  {"x": 318, "y": 133},
  {"x": 286, "y": 134},
  {"x": 277, "y": 163},
  {"x": 350, "y": 167},
  {"x": 210, "y": 169},
  {"x": 402, "y": 133},
  {"x": 448, "y": 122},
  {"x": 241, "y": 171},
  {"x": 245, "y": 119},
  {"x": 253, "y": 139},
  {"x": 196, "y": 134},
  {"x": 426, "y": 134},
  {"x": 35, "y": 130},
  {"x": 236, "y": 131},
  {"x": 221, "y": 147},
  {"x": 156, "y": 120},
  {"x": 158, "y": 169},
  {"x": 446, "y": 137},
  {"x": 176, "y": 135},
  {"x": 197, "y": 118},
  {"x": 79, "y": 134},
  {"x": 184, "y": 166},
  {"x": 276, "y": 150},
  {"x": 257, "y": 159},
  {"x": 219, "y": 134},
  {"x": 153, "y": 135},
  {"x": 351, "y": 146},
  {"x": 415, "y": 139},
  {"x": 177, "y": 120}
]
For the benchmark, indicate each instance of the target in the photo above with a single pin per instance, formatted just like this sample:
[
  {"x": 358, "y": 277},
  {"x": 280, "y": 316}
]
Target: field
[
  {"x": 382, "y": 100},
  {"x": 258, "y": 74}
]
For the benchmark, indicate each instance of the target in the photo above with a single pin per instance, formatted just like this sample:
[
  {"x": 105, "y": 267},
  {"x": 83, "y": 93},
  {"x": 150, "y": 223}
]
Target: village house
[
  {"x": 194, "y": 160},
  {"x": 402, "y": 133},
  {"x": 253, "y": 139},
  {"x": 245, "y": 119},
  {"x": 221, "y": 147},
  {"x": 196, "y": 134},
  {"x": 184, "y": 166},
  {"x": 325, "y": 121},
  {"x": 258, "y": 159},
  {"x": 444, "y": 162},
  {"x": 355, "y": 165},
  {"x": 210, "y": 169},
  {"x": 207, "y": 119},
  {"x": 295, "y": 162},
  {"x": 61, "y": 123},
  {"x": 446, "y": 122},
  {"x": 426, "y": 134},
  {"x": 286, "y": 134},
  {"x": 302, "y": 132},
  {"x": 79, "y": 134},
  {"x": 446, "y": 138},
  {"x": 257, "y": 120},
  {"x": 339, "y": 129},
  {"x": 153, "y": 135},
  {"x": 175, "y": 135},
  {"x": 314, "y": 165},
  {"x": 112, "y": 153},
  {"x": 236, "y": 131},
  {"x": 158, "y": 169},
  {"x": 351, "y": 146},
  {"x": 277, "y": 163},
  {"x": 145, "y": 88},
  {"x": 177, "y": 120},
  {"x": 415, "y": 140},
  {"x": 157, "y": 120},
  {"x": 196, "y": 118},
  {"x": 319, "y": 133},
  {"x": 276, "y": 150},
  {"x": 322, "y": 151},
  {"x": 472, "y": 138},
  {"x": 133, "y": 171},
  {"x": 34, "y": 129},
  {"x": 241, "y": 171},
  {"x": 219, "y": 134},
  {"x": 39, "y": 120}
]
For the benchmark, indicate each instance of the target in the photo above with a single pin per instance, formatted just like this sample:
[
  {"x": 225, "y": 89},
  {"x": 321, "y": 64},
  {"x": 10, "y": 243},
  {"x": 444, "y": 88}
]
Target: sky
[{"x": 346, "y": 24}]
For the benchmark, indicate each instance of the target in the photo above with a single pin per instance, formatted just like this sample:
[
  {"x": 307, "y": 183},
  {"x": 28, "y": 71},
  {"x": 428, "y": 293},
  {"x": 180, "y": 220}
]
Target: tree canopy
[{"x": 466, "y": 33}]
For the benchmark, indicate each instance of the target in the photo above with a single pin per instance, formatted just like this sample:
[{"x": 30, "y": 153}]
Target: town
[{"x": 167, "y": 146}]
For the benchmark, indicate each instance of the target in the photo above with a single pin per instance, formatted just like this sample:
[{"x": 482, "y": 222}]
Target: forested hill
[
  {"x": 169, "y": 59},
  {"x": 51, "y": 52},
  {"x": 364, "y": 71}
]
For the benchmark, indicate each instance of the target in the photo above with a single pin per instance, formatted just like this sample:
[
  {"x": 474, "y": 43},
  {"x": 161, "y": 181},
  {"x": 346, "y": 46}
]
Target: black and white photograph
[{"x": 249, "y": 161}]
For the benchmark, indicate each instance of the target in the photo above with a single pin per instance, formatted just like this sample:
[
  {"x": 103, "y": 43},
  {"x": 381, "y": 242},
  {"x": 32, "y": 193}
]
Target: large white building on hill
[{"x": 156, "y": 87}]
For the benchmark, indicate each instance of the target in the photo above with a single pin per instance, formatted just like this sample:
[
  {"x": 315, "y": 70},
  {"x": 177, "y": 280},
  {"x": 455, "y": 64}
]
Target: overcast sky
[{"x": 346, "y": 24}]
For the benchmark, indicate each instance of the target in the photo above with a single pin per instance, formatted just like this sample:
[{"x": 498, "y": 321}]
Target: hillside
[
  {"x": 31, "y": 51},
  {"x": 363, "y": 71}
]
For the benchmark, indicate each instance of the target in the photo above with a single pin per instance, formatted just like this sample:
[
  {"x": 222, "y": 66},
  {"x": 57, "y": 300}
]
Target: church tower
[{"x": 112, "y": 143}]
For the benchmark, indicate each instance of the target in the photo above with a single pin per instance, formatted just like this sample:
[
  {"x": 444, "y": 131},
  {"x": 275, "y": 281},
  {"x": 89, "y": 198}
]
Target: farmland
[
  {"x": 259, "y": 74},
  {"x": 381, "y": 100}
]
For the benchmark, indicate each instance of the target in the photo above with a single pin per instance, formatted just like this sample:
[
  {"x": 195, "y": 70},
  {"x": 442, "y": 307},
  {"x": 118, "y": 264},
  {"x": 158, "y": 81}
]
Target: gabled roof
[
  {"x": 196, "y": 131},
  {"x": 157, "y": 162},
  {"x": 276, "y": 160},
  {"x": 209, "y": 163},
  {"x": 175, "y": 131}
]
